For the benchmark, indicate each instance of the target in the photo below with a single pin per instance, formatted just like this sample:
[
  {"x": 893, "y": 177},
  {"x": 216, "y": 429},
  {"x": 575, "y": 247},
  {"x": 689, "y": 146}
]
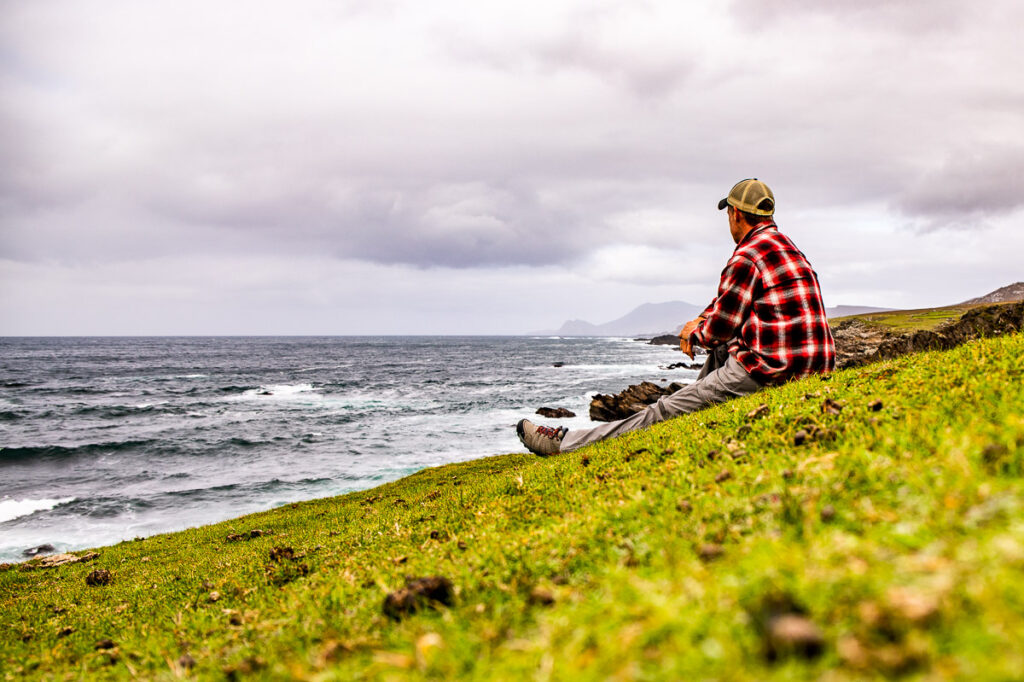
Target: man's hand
[{"x": 684, "y": 335}]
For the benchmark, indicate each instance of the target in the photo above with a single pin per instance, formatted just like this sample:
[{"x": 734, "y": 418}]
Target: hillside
[
  {"x": 1011, "y": 292},
  {"x": 865, "y": 524},
  {"x": 868, "y": 338}
]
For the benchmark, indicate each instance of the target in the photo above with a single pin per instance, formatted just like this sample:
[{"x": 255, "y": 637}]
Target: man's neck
[{"x": 754, "y": 228}]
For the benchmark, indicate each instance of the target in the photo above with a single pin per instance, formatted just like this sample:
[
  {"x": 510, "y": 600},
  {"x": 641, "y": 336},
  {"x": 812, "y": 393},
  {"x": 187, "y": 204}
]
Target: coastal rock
[
  {"x": 606, "y": 408},
  {"x": 555, "y": 413},
  {"x": 61, "y": 559},
  {"x": 39, "y": 551},
  {"x": 684, "y": 365},
  {"x": 665, "y": 340}
]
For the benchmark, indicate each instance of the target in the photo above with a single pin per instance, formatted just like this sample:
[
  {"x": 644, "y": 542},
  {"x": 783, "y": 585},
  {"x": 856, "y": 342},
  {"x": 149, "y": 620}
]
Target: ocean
[{"x": 107, "y": 439}]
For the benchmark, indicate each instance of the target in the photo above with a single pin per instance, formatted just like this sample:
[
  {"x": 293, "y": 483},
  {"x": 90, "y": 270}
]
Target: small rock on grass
[
  {"x": 104, "y": 644},
  {"x": 710, "y": 552},
  {"x": 875, "y": 405},
  {"x": 758, "y": 412},
  {"x": 791, "y": 634},
  {"x": 541, "y": 596},
  {"x": 785, "y": 629},
  {"x": 280, "y": 554},
  {"x": 100, "y": 576},
  {"x": 828, "y": 513},
  {"x": 917, "y": 608},
  {"x": 61, "y": 559},
  {"x": 419, "y": 593},
  {"x": 800, "y": 437},
  {"x": 831, "y": 407}
]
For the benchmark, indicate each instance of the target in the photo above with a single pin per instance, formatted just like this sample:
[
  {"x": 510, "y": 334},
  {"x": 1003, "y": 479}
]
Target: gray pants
[{"x": 722, "y": 378}]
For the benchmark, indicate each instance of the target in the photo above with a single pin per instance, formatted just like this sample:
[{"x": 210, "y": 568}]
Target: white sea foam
[
  {"x": 13, "y": 509},
  {"x": 279, "y": 391}
]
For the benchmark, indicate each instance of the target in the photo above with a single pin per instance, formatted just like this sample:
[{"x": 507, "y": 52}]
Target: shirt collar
[{"x": 766, "y": 224}]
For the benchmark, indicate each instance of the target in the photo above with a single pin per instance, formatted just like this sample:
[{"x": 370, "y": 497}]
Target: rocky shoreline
[{"x": 859, "y": 342}]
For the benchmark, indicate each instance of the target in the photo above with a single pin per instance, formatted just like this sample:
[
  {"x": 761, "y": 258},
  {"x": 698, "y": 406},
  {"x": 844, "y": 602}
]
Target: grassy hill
[{"x": 869, "y": 523}]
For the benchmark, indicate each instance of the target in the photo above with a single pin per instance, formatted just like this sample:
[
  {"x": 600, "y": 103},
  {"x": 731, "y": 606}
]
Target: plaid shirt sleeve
[{"x": 726, "y": 314}]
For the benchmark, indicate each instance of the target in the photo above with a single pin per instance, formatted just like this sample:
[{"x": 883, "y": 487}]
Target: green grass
[
  {"x": 912, "y": 320},
  {"x": 898, "y": 532}
]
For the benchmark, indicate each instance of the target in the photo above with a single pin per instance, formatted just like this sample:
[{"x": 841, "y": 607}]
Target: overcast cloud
[{"x": 463, "y": 167}]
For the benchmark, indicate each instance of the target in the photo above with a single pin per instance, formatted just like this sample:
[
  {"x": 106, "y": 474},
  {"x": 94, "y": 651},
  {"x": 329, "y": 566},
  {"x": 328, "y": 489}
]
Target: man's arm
[
  {"x": 685, "y": 344},
  {"x": 726, "y": 314}
]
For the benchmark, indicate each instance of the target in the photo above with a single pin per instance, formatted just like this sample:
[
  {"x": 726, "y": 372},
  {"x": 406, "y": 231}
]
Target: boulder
[
  {"x": 606, "y": 408},
  {"x": 555, "y": 412},
  {"x": 40, "y": 550},
  {"x": 664, "y": 340}
]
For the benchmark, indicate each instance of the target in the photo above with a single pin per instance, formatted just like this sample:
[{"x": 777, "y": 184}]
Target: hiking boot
[{"x": 541, "y": 440}]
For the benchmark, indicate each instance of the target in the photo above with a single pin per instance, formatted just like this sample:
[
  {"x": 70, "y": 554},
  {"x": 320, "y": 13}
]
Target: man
[{"x": 766, "y": 326}]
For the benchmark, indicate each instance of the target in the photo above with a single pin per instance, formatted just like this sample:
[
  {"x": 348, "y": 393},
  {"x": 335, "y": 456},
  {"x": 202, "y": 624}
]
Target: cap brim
[{"x": 723, "y": 203}]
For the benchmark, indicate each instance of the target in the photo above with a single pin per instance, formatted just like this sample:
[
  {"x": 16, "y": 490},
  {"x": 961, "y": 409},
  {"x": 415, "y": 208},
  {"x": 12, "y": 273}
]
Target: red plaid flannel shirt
[{"x": 769, "y": 310}]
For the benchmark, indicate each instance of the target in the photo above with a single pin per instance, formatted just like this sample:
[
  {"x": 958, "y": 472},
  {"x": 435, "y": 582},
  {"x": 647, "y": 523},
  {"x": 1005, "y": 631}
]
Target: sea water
[{"x": 106, "y": 439}]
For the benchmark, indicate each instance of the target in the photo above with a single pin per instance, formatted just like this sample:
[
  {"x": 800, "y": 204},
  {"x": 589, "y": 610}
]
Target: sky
[{"x": 466, "y": 167}]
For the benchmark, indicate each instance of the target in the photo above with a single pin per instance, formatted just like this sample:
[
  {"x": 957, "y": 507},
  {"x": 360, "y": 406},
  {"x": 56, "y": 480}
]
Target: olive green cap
[{"x": 750, "y": 196}]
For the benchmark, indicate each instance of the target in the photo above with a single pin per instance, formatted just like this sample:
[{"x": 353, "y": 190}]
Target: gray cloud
[
  {"x": 463, "y": 137},
  {"x": 906, "y": 16},
  {"x": 967, "y": 187}
]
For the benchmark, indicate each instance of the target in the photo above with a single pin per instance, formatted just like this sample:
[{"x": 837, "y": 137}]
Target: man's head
[{"x": 749, "y": 202}]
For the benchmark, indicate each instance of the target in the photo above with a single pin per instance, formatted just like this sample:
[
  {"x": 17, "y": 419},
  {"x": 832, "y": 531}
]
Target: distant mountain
[
  {"x": 1011, "y": 292},
  {"x": 844, "y": 310},
  {"x": 646, "y": 320},
  {"x": 651, "y": 319}
]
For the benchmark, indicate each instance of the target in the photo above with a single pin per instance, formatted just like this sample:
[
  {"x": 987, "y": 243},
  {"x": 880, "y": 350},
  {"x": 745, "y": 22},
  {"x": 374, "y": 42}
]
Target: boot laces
[{"x": 549, "y": 432}]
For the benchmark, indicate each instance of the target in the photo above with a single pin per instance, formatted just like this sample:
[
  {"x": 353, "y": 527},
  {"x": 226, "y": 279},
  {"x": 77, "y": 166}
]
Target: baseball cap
[{"x": 750, "y": 196}]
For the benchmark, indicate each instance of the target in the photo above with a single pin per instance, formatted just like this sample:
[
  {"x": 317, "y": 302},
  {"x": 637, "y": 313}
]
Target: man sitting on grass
[{"x": 766, "y": 326}]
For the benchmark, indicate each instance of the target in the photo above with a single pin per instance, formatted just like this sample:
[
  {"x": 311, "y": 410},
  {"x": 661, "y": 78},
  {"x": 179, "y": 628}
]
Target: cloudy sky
[{"x": 400, "y": 167}]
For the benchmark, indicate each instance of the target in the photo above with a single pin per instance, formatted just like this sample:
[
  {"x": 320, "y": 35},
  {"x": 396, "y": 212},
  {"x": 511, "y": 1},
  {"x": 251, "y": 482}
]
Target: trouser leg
[{"x": 718, "y": 385}]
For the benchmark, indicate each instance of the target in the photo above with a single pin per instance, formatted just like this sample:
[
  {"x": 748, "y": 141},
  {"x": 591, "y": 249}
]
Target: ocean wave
[
  {"x": 118, "y": 411},
  {"x": 114, "y": 506},
  {"x": 225, "y": 389},
  {"x": 61, "y": 451},
  {"x": 280, "y": 390},
  {"x": 15, "y": 509},
  {"x": 9, "y": 416}
]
